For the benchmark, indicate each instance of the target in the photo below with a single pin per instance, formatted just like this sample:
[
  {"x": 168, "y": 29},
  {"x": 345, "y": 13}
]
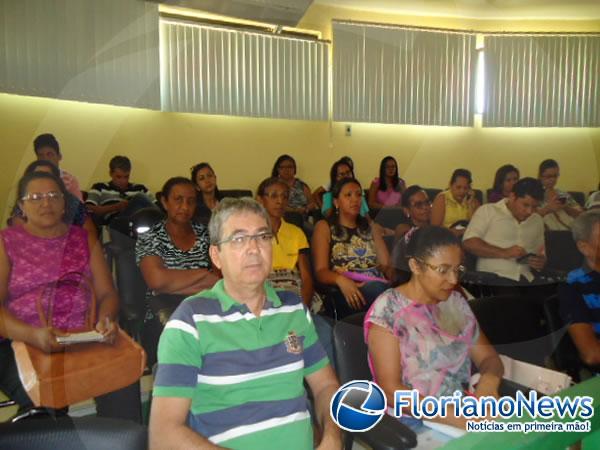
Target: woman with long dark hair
[
  {"x": 347, "y": 254},
  {"x": 386, "y": 190},
  {"x": 506, "y": 177},
  {"x": 208, "y": 195},
  {"x": 300, "y": 198}
]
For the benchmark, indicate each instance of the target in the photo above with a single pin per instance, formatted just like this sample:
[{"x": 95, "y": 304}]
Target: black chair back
[
  {"x": 73, "y": 433},
  {"x": 565, "y": 354},
  {"x": 515, "y": 326},
  {"x": 389, "y": 217},
  {"x": 432, "y": 193},
  {"x": 479, "y": 195},
  {"x": 236, "y": 193},
  {"x": 561, "y": 251},
  {"x": 352, "y": 364},
  {"x": 130, "y": 282},
  {"x": 351, "y": 350}
]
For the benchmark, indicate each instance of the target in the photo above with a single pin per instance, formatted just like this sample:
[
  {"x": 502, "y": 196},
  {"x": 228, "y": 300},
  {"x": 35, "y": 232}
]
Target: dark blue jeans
[{"x": 370, "y": 292}]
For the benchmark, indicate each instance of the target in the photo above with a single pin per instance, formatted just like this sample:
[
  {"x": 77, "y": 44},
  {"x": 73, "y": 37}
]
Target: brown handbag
[{"x": 81, "y": 371}]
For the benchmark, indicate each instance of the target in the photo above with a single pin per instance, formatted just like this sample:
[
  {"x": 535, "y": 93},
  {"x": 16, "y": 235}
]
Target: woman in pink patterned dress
[
  {"x": 422, "y": 335},
  {"x": 43, "y": 263}
]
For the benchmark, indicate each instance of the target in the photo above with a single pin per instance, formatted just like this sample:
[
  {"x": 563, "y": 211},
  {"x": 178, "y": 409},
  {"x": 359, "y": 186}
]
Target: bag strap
[{"x": 73, "y": 278}]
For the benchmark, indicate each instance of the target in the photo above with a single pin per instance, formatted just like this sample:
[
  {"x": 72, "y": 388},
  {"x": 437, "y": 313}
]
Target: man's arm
[
  {"x": 480, "y": 248},
  {"x": 323, "y": 384},
  {"x": 586, "y": 342},
  {"x": 168, "y": 429}
]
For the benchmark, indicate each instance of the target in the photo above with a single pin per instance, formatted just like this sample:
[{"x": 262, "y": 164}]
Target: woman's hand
[
  {"x": 107, "y": 328},
  {"x": 487, "y": 386},
  {"x": 45, "y": 339},
  {"x": 351, "y": 292}
]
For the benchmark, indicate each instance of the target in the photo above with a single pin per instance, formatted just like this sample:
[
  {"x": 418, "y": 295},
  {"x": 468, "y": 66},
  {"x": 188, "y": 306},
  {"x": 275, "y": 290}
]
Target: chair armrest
[{"x": 389, "y": 434}]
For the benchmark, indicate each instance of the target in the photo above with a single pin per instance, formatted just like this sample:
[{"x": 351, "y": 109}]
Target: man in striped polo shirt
[
  {"x": 232, "y": 359},
  {"x": 580, "y": 296}
]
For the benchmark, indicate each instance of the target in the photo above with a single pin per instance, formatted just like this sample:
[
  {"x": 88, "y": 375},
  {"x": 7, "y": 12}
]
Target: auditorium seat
[
  {"x": 561, "y": 252},
  {"x": 432, "y": 192},
  {"x": 351, "y": 364},
  {"x": 236, "y": 193},
  {"x": 515, "y": 326}
]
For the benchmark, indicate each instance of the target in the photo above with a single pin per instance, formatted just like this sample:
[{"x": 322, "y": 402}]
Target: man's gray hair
[
  {"x": 583, "y": 227},
  {"x": 228, "y": 207}
]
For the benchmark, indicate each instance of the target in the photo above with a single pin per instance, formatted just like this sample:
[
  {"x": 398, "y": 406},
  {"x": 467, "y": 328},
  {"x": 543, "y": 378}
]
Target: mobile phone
[{"x": 525, "y": 257}]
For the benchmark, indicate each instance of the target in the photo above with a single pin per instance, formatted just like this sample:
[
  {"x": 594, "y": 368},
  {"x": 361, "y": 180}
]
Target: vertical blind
[
  {"x": 542, "y": 81},
  {"x": 93, "y": 51},
  {"x": 214, "y": 70},
  {"x": 389, "y": 74}
]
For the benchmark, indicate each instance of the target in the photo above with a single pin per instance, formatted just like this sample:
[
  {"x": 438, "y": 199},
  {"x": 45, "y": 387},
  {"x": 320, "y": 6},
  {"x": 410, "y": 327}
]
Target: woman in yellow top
[
  {"x": 454, "y": 207},
  {"x": 291, "y": 264}
]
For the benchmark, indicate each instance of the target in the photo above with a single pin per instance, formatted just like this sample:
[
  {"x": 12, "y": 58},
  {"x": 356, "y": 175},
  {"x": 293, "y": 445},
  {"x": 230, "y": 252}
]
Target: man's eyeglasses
[
  {"x": 241, "y": 240},
  {"x": 38, "y": 197},
  {"x": 445, "y": 269}
]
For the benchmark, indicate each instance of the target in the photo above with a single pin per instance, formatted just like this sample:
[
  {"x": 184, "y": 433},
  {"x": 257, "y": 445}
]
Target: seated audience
[
  {"x": 46, "y": 148},
  {"x": 347, "y": 254},
  {"x": 417, "y": 208},
  {"x": 173, "y": 258},
  {"x": 206, "y": 391},
  {"x": 386, "y": 190},
  {"x": 558, "y": 208},
  {"x": 579, "y": 307},
  {"x": 117, "y": 197},
  {"x": 208, "y": 195},
  {"x": 340, "y": 170},
  {"x": 37, "y": 258},
  {"x": 454, "y": 207},
  {"x": 300, "y": 199},
  {"x": 423, "y": 335},
  {"x": 506, "y": 177},
  {"x": 75, "y": 212},
  {"x": 508, "y": 236}
]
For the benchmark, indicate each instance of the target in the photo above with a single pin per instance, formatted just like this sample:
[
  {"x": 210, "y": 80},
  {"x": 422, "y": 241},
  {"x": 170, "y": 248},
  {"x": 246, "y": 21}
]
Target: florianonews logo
[{"x": 358, "y": 405}]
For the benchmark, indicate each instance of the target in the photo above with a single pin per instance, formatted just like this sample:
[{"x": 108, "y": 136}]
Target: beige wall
[{"x": 242, "y": 150}]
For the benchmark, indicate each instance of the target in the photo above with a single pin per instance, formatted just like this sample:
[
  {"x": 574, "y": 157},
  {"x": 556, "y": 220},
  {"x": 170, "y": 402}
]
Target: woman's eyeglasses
[
  {"x": 277, "y": 196},
  {"x": 38, "y": 197},
  {"x": 445, "y": 269},
  {"x": 421, "y": 205}
]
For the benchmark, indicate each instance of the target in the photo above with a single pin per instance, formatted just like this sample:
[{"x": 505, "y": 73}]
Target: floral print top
[
  {"x": 353, "y": 251},
  {"x": 434, "y": 340}
]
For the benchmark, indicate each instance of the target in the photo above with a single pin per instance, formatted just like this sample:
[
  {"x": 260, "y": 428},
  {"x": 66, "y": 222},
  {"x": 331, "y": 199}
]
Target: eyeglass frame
[
  {"x": 459, "y": 271},
  {"x": 246, "y": 238},
  {"x": 39, "y": 197}
]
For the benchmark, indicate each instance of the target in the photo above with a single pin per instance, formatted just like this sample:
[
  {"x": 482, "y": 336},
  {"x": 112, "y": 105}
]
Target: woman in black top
[{"x": 205, "y": 181}]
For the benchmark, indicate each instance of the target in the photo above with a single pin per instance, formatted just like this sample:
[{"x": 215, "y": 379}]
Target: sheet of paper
[{"x": 80, "y": 338}]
